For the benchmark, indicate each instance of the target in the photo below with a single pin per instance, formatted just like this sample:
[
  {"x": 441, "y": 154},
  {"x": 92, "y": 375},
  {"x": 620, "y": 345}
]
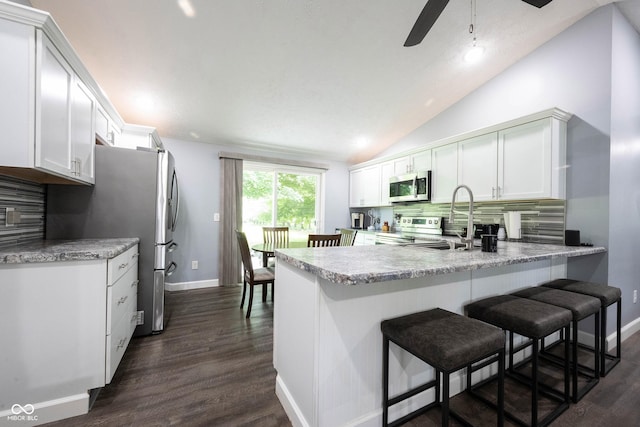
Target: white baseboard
[
  {"x": 46, "y": 412},
  {"x": 289, "y": 404},
  {"x": 184, "y": 286},
  {"x": 625, "y": 332}
]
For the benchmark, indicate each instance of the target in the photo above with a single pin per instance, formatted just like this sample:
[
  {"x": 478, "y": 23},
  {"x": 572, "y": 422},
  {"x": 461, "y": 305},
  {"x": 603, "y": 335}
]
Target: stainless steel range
[{"x": 414, "y": 230}]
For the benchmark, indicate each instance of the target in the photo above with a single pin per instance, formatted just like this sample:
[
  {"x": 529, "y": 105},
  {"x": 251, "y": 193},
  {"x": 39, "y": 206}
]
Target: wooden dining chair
[
  {"x": 321, "y": 240},
  {"x": 347, "y": 236},
  {"x": 253, "y": 277},
  {"x": 276, "y": 236}
]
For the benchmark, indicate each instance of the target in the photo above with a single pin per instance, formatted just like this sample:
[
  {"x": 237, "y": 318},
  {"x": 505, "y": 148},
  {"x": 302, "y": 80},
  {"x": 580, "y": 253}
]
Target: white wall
[{"x": 198, "y": 169}]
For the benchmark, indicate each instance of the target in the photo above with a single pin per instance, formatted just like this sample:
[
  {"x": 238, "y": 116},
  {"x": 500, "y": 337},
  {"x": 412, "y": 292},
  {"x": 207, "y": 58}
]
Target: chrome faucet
[{"x": 468, "y": 241}]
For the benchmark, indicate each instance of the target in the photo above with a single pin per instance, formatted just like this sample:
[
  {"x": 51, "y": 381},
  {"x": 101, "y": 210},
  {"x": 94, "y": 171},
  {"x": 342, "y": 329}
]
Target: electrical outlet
[
  {"x": 216, "y": 217},
  {"x": 194, "y": 265},
  {"x": 635, "y": 296}
]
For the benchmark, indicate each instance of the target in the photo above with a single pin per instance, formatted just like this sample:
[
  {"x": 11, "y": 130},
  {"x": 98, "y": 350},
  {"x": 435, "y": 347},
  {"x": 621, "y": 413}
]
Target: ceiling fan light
[{"x": 474, "y": 54}]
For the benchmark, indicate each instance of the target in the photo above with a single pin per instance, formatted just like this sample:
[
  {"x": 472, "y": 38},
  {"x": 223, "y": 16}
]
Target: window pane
[
  {"x": 257, "y": 203},
  {"x": 296, "y": 204}
]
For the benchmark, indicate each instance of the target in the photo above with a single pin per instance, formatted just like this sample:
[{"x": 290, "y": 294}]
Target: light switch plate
[{"x": 12, "y": 217}]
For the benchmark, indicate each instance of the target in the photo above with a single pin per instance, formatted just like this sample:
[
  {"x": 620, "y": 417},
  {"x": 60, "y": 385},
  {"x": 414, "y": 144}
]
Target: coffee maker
[{"x": 357, "y": 220}]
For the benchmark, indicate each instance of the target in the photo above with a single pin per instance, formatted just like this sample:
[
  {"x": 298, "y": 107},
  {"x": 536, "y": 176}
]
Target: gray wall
[
  {"x": 198, "y": 168},
  {"x": 590, "y": 70}
]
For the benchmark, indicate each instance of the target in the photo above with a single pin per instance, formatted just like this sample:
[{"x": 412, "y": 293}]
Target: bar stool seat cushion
[
  {"x": 445, "y": 340},
  {"x": 607, "y": 294},
  {"x": 523, "y": 316},
  {"x": 581, "y": 305}
]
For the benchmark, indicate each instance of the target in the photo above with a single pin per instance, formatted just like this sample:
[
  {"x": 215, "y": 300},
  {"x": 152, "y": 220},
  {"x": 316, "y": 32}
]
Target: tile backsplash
[
  {"x": 28, "y": 199},
  {"x": 543, "y": 221}
]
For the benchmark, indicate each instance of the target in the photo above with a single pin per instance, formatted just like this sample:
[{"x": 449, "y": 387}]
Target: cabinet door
[
  {"x": 17, "y": 44},
  {"x": 478, "y": 167},
  {"x": 82, "y": 132},
  {"x": 421, "y": 161},
  {"x": 524, "y": 161},
  {"x": 387, "y": 170},
  {"x": 102, "y": 125},
  {"x": 444, "y": 176},
  {"x": 53, "y": 144},
  {"x": 402, "y": 165},
  {"x": 364, "y": 186}
]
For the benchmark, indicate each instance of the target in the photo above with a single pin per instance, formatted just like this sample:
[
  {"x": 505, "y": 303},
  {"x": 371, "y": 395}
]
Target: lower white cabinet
[
  {"x": 122, "y": 306},
  {"x": 65, "y": 327}
]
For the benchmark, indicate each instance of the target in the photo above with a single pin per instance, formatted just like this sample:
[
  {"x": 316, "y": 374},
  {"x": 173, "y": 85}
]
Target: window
[{"x": 276, "y": 195}]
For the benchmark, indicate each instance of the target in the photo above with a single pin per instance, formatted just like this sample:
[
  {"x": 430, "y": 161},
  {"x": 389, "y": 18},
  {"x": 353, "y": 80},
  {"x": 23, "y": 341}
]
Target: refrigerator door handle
[
  {"x": 170, "y": 269},
  {"x": 174, "y": 185}
]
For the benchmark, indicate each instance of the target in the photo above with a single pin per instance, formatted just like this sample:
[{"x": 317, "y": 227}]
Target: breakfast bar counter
[{"x": 330, "y": 302}]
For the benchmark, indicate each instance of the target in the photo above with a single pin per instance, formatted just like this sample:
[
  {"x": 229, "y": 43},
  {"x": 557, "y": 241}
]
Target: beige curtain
[{"x": 231, "y": 219}]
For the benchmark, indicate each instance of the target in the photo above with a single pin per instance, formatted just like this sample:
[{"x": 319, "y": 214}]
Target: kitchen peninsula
[{"x": 330, "y": 301}]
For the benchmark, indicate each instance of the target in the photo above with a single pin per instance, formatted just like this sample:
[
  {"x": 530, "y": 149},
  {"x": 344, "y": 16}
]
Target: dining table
[{"x": 268, "y": 249}]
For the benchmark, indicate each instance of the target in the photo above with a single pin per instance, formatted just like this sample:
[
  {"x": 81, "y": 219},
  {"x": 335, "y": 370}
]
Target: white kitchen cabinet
[
  {"x": 47, "y": 111},
  {"x": 530, "y": 160},
  {"x": 365, "y": 238},
  {"x": 444, "y": 172},
  {"x": 364, "y": 186},
  {"x": 387, "y": 170},
  {"x": 122, "y": 306},
  {"x": 107, "y": 130},
  {"x": 134, "y": 136},
  {"x": 478, "y": 167},
  {"x": 416, "y": 162},
  {"x": 64, "y": 320}
]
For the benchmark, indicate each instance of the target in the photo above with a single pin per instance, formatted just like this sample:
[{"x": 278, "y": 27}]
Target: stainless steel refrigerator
[{"x": 135, "y": 195}]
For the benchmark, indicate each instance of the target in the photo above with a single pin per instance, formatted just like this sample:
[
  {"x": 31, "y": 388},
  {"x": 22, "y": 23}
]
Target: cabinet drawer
[
  {"x": 121, "y": 264},
  {"x": 122, "y": 297},
  {"x": 117, "y": 343}
]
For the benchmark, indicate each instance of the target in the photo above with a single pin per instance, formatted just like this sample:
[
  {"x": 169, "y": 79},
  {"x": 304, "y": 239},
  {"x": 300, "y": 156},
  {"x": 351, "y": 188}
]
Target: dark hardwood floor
[{"x": 213, "y": 367}]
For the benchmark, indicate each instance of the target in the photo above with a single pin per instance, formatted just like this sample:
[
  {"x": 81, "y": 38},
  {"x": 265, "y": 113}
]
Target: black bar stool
[
  {"x": 448, "y": 342},
  {"x": 581, "y": 306},
  {"x": 607, "y": 295},
  {"x": 533, "y": 320}
]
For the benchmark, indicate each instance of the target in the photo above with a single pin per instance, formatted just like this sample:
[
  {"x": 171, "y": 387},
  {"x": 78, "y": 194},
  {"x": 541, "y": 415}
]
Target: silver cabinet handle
[
  {"x": 123, "y": 265},
  {"x": 493, "y": 192},
  {"x": 121, "y": 343},
  {"x": 135, "y": 283},
  {"x": 123, "y": 299}
]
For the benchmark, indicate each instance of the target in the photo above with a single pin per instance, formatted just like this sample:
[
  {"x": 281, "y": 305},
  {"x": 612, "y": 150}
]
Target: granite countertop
[
  {"x": 66, "y": 250},
  {"x": 354, "y": 265}
]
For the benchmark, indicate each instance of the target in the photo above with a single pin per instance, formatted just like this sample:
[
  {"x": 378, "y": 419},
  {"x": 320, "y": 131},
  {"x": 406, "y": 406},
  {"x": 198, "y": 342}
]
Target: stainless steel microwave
[{"x": 411, "y": 187}]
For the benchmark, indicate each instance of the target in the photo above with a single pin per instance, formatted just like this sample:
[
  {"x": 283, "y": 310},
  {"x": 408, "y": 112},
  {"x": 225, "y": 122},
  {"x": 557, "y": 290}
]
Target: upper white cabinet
[
  {"x": 416, "y": 162},
  {"x": 444, "y": 172},
  {"x": 478, "y": 167},
  {"x": 364, "y": 186},
  {"x": 521, "y": 159},
  {"x": 134, "y": 136},
  {"x": 47, "y": 111},
  {"x": 107, "y": 130},
  {"x": 531, "y": 160}
]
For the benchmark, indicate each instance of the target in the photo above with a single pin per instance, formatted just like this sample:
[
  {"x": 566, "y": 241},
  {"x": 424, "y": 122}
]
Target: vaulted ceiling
[{"x": 329, "y": 78}]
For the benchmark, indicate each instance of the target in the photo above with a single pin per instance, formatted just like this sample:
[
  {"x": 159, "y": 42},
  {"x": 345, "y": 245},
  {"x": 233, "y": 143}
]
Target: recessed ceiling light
[
  {"x": 144, "y": 102},
  {"x": 187, "y": 8}
]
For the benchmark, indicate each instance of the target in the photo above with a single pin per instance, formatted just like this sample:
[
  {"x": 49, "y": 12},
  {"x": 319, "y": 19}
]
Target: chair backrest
[
  {"x": 245, "y": 253},
  {"x": 320, "y": 240},
  {"x": 277, "y": 236},
  {"x": 347, "y": 236}
]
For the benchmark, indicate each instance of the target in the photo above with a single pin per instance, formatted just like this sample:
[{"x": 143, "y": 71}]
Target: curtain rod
[{"x": 274, "y": 160}]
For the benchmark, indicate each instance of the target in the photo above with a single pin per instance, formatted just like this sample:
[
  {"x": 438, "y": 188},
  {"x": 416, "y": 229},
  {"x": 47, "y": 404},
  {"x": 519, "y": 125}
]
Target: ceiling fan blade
[
  {"x": 425, "y": 21},
  {"x": 537, "y": 3}
]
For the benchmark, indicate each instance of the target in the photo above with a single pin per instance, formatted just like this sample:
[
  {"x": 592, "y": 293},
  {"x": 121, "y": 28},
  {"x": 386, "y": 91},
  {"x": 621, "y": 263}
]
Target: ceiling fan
[{"x": 432, "y": 11}]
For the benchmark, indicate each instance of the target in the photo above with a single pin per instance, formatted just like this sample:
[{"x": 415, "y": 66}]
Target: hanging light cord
[{"x": 472, "y": 26}]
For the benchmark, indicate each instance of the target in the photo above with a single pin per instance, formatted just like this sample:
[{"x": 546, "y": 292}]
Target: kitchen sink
[{"x": 436, "y": 244}]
